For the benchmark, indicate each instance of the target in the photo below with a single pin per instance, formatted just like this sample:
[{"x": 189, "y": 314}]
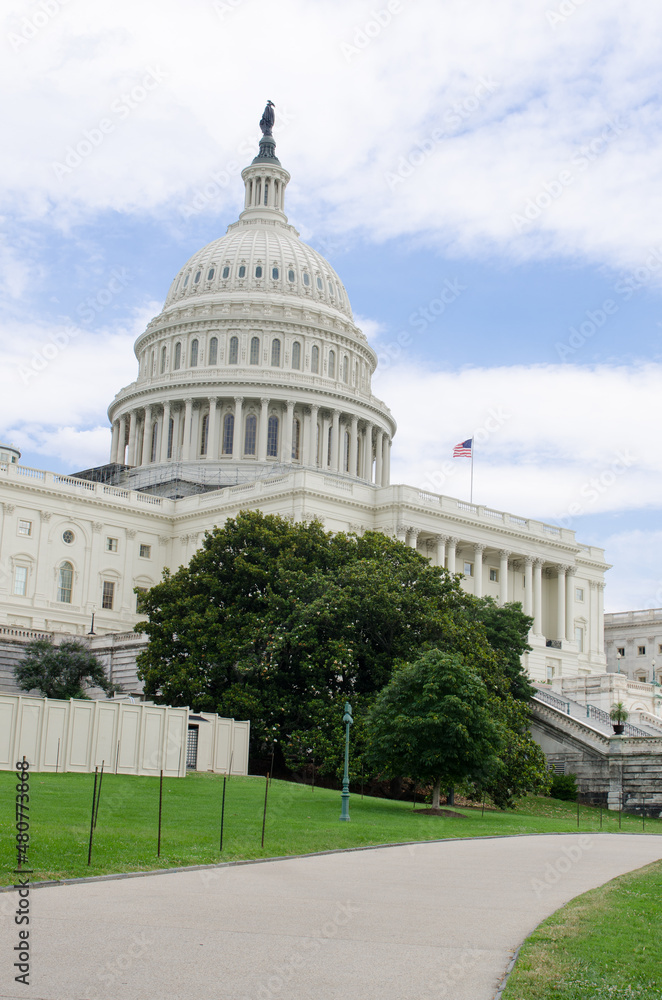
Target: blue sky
[{"x": 485, "y": 178}]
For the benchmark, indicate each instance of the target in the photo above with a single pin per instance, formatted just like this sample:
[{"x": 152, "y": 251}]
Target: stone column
[
  {"x": 212, "y": 432},
  {"x": 262, "y": 431},
  {"x": 196, "y": 436},
  {"x": 441, "y": 550},
  {"x": 147, "y": 437},
  {"x": 386, "y": 474},
  {"x": 165, "y": 432},
  {"x": 114, "y": 441},
  {"x": 560, "y": 601},
  {"x": 311, "y": 443},
  {"x": 367, "y": 452},
  {"x": 478, "y": 570},
  {"x": 504, "y": 555},
  {"x": 133, "y": 427},
  {"x": 121, "y": 441},
  {"x": 412, "y": 537},
  {"x": 537, "y": 596},
  {"x": 324, "y": 442},
  {"x": 335, "y": 441},
  {"x": 528, "y": 586},
  {"x": 570, "y": 604},
  {"x": 354, "y": 446},
  {"x": 188, "y": 419},
  {"x": 286, "y": 455},
  {"x": 238, "y": 436},
  {"x": 452, "y": 554},
  {"x": 177, "y": 435},
  {"x": 379, "y": 459}
]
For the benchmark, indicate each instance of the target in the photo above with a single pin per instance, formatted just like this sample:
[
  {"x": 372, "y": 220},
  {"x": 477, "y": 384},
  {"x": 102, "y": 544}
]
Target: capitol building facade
[{"x": 254, "y": 392}]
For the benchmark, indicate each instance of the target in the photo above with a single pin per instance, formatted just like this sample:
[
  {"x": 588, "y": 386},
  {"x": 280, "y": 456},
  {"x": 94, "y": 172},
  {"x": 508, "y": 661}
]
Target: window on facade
[
  {"x": 579, "y": 593},
  {"x": 315, "y": 359},
  {"x": 145, "y": 551},
  {"x": 204, "y": 434},
  {"x": 186, "y": 280},
  {"x": 210, "y": 274},
  {"x": 468, "y": 569},
  {"x": 68, "y": 537},
  {"x": 330, "y": 289},
  {"x": 258, "y": 271},
  {"x": 296, "y": 439},
  {"x": 194, "y": 354},
  {"x": 641, "y": 650},
  {"x": 226, "y": 272},
  {"x": 251, "y": 432},
  {"x": 620, "y": 651},
  {"x": 266, "y": 192},
  {"x": 345, "y": 369},
  {"x": 20, "y": 580},
  {"x": 178, "y": 357},
  {"x": 197, "y": 277},
  {"x": 306, "y": 278},
  {"x": 296, "y": 355},
  {"x": 255, "y": 351},
  {"x": 332, "y": 364},
  {"x": 272, "y": 437},
  {"x": 290, "y": 275},
  {"x": 319, "y": 284},
  {"x": 107, "y": 595},
  {"x": 275, "y": 354},
  {"x": 152, "y": 454},
  {"x": 233, "y": 358},
  {"x": 274, "y": 273},
  {"x": 25, "y": 527},
  {"x": 111, "y": 545},
  {"x": 65, "y": 581},
  {"x": 659, "y": 647},
  {"x": 242, "y": 271},
  {"x": 641, "y": 678},
  {"x": 579, "y": 638},
  {"x": 228, "y": 433},
  {"x": 171, "y": 431},
  {"x": 494, "y": 575},
  {"x": 213, "y": 351},
  {"x": 163, "y": 360},
  {"x": 140, "y": 592}
]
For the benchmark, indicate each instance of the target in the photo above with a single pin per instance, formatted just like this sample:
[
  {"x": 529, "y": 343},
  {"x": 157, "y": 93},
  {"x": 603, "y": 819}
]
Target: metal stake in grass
[
  {"x": 223, "y": 815},
  {"x": 158, "y": 844},
  {"x": 264, "y": 816},
  {"x": 577, "y": 810},
  {"x": 94, "y": 802},
  {"x": 643, "y": 811},
  {"x": 601, "y": 814},
  {"x": 96, "y": 812}
]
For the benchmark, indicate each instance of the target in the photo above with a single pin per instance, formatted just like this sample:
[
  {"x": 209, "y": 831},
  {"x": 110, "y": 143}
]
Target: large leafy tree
[
  {"x": 507, "y": 629},
  {"x": 63, "y": 671},
  {"x": 433, "y": 722}
]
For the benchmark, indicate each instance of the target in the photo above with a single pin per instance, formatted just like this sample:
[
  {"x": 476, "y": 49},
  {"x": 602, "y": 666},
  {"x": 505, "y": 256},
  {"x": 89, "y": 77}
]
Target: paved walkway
[{"x": 403, "y": 923}]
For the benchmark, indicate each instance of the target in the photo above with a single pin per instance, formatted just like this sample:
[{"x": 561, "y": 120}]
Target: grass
[
  {"x": 298, "y": 821},
  {"x": 603, "y": 945}
]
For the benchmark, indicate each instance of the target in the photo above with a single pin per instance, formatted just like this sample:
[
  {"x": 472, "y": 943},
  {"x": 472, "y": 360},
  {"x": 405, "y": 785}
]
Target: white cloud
[{"x": 635, "y": 581}]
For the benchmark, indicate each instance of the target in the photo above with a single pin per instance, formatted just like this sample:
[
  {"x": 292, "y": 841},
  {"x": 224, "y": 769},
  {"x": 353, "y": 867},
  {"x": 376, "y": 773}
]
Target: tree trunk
[{"x": 435, "y": 793}]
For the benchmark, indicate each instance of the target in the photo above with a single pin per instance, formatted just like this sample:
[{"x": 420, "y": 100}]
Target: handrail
[{"x": 552, "y": 700}]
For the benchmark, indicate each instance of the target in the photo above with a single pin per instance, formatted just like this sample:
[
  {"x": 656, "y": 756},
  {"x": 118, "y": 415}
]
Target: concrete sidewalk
[{"x": 401, "y": 923}]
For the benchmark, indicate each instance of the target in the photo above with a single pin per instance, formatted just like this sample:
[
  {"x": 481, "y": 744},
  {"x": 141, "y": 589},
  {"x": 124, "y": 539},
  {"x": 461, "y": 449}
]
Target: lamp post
[
  {"x": 92, "y": 632},
  {"x": 348, "y": 720}
]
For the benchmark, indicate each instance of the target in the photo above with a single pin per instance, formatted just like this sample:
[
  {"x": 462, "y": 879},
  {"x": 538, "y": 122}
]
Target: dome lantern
[{"x": 265, "y": 179}]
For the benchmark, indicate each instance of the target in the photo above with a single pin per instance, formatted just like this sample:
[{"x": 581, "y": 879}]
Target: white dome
[{"x": 246, "y": 260}]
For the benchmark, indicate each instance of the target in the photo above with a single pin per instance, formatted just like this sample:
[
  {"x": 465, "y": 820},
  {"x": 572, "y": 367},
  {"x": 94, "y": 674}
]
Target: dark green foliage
[
  {"x": 564, "y": 786},
  {"x": 61, "y": 671},
  {"x": 507, "y": 629}
]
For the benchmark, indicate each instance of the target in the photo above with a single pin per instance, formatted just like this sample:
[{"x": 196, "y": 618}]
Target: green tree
[
  {"x": 432, "y": 722},
  {"x": 61, "y": 671},
  {"x": 507, "y": 629}
]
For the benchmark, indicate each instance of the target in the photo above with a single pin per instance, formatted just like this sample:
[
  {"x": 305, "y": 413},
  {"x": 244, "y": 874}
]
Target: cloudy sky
[{"x": 485, "y": 176}]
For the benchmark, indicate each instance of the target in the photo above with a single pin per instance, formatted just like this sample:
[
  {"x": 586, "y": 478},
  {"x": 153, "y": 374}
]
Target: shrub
[{"x": 564, "y": 786}]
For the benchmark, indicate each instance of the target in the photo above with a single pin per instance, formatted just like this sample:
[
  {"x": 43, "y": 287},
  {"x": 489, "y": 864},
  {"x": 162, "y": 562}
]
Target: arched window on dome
[
  {"x": 266, "y": 192},
  {"x": 171, "y": 434},
  {"x": 233, "y": 358},
  {"x": 275, "y": 354},
  {"x": 251, "y": 434},
  {"x": 186, "y": 280},
  {"x": 345, "y": 370},
  {"x": 332, "y": 364},
  {"x": 228, "y": 433},
  {"x": 242, "y": 271},
  {"x": 296, "y": 439},
  {"x": 330, "y": 288},
  {"x": 213, "y": 352},
  {"x": 163, "y": 360},
  {"x": 319, "y": 283},
  {"x": 204, "y": 434},
  {"x": 197, "y": 277},
  {"x": 194, "y": 354},
  {"x": 226, "y": 272},
  {"x": 152, "y": 453},
  {"x": 255, "y": 351},
  {"x": 210, "y": 273},
  {"x": 65, "y": 583},
  {"x": 274, "y": 273},
  {"x": 290, "y": 275},
  {"x": 306, "y": 278},
  {"x": 345, "y": 460},
  {"x": 178, "y": 356},
  {"x": 258, "y": 271},
  {"x": 152, "y": 367},
  {"x": 272, "y": 437},
  {"x": 296, "y": 355},
  {"x": 315, "y": 359}
]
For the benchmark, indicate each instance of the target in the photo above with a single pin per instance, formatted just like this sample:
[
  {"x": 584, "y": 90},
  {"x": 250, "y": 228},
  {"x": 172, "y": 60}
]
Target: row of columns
[{"x": 322, "y": 439}]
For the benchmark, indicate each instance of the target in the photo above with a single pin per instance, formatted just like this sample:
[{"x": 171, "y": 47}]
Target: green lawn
[
  {"x": 604, "y": 945},
  {"x": 298, "y": 821}
]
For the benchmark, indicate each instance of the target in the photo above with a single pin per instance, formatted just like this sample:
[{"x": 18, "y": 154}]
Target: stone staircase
[{"x": 596, "y": 718}]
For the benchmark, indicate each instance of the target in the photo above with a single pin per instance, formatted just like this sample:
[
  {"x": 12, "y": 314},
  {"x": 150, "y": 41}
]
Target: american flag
[{"x": 463, "y": 449}]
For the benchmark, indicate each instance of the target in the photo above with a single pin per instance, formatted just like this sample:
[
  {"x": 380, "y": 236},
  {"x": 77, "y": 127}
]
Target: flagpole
[{"x": 471, "y": 494}]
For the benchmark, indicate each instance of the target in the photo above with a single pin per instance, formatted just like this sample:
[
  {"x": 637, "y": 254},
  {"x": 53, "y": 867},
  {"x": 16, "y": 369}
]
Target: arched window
[
  {"x": 194, "y": 354},
  {"x": 186, "y": 280},
  {"x": 290, "y": 275},
  {"x": 152, "y": 367},
  {"x": 226, "y": 272},
  {"x": 197, "y": 277},
  {"x": 319, "y": 283},
  {"x": 345, "y": 369},
  {"x": 65, "y": 582},
  {"x": 272, "y": 437},
  {"x": 275, "y": 354},
  {"x": 204, "y": 434},
  {"x": 251, "y": 433},
  {"x": 234, "y": 351},
  {"x": 332, "y": 364},
  {"x": 163, "y": 360},
  {"x": 210, "y": 274},
  {"x": 296, "y": 439},
  {"x": 330, "y": 289},
  {"x": 178, "y": 356},
  {"x": 258, "y": 271},
  {"x": 345, "y": 463},
  {"x": 274, "y": 273},
  {"x": 266, "y": 192},
  {"x": 171, "y": 432},
  {"x": 213, "y": 351},
  {"x": 255, "y": 351},
  {"x": 242, "y": 271},
  {"x": 152, "y": 454},
  {"x": 228, "y": 433},
  {"x": 306, "y": 278},
  {"x": 296, "y": 355},
  {"x": 315, "y": 359}
]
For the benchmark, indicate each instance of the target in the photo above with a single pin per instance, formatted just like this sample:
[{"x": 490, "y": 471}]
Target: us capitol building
[{"x": 253, "y": 391}]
